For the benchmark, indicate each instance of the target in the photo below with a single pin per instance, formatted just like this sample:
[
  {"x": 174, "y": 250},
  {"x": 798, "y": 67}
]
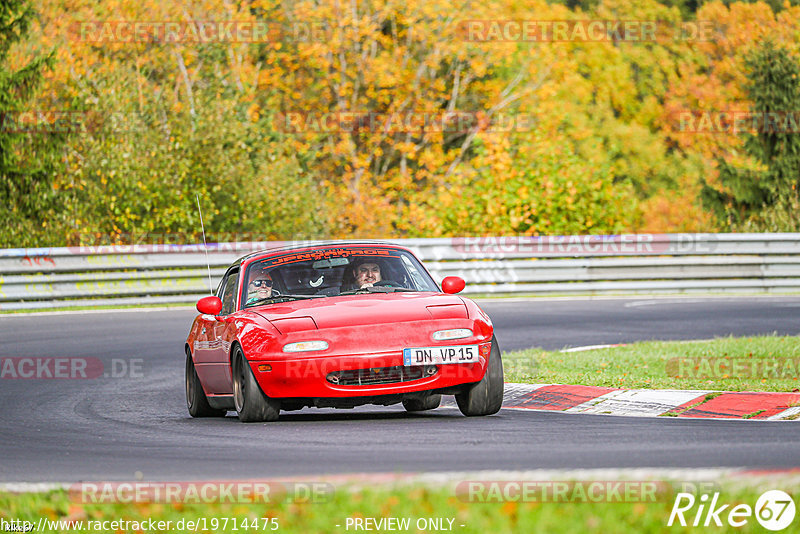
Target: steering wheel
[
  {"x": 387, "y": 283},
  {"x": 275, "y": 293}
]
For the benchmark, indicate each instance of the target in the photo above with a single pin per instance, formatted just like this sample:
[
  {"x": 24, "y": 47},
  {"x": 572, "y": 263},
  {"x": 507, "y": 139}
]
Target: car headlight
[
  {"x": 454, "y": 333},
  {"x": 305, "y": 346}
]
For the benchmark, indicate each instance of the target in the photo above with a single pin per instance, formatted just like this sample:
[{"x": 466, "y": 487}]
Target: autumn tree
[
  {"x": 278, "y": 137},
  {"x": 176, "y": 119},
  {"x": 766, "y": 196},
  {"x": 28, "y": 160}
]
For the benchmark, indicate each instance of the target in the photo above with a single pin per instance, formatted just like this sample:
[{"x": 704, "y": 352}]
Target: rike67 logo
[{"x": 774, "y": 510}]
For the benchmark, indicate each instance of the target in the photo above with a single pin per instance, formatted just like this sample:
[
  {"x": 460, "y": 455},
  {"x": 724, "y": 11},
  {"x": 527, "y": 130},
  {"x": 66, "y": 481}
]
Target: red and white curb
[{"x": 653, "y": 402}]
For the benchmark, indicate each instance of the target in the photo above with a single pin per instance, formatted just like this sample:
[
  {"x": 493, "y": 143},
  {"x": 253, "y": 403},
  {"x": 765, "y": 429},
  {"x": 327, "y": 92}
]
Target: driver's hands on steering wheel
[{"x": 387, "y": 283}]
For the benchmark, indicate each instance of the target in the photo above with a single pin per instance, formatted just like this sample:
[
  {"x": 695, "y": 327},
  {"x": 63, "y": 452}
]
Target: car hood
[{"x": 359, "y": 310}]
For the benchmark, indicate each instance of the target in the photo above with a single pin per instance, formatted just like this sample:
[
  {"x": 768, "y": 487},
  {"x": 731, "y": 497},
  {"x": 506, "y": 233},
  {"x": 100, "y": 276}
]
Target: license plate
[{"x": 440, "y": 355}]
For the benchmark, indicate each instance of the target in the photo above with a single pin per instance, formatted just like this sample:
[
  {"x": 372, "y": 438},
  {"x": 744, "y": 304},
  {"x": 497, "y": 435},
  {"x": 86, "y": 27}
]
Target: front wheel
[
  {"x": 251, "y": 403},
  {"x": 196, "y": 400},
  {"x": 485, "y": 397}
]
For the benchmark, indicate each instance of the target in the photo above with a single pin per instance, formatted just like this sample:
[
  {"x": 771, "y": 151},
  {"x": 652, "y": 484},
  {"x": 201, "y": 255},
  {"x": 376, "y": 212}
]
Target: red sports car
[{"x": 338, "y": 325}]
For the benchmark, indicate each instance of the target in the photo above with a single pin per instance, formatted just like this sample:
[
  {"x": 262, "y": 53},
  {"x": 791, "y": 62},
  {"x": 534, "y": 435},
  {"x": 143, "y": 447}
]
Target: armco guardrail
[{"x": 634, "y": 263}]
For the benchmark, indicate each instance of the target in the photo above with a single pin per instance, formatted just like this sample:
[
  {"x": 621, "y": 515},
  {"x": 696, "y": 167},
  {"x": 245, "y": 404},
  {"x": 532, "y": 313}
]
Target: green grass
[
  {"x": 765, "y": 363},
  {"x": 412, "y": 502}
]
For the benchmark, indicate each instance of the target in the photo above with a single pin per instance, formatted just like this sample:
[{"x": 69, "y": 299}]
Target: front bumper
[{"x": 308, "y": 377}]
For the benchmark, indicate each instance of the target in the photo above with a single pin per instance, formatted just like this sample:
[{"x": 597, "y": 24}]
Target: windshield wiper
[
  {"x": 283, "y": 298},
  {"x": 375, "y": 289}
]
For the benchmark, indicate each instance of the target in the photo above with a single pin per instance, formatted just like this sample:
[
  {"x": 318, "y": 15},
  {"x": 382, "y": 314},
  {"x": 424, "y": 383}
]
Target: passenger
[{"x": 260, "y": 287}]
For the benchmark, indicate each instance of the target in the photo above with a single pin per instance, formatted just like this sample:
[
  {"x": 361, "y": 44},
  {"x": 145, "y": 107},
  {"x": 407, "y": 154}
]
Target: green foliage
[
  {"x": 176, "y": 120},
  {"x": 775, "y": 5},
  {"x": 28, "y": 161},
  {"x": 539, "y": 191},
  {"x": 137, "y": 178},
  {"x": 761, "y": 198},
  {"x": 775, "y": 87},
  {"x": 587, "y": 6}
]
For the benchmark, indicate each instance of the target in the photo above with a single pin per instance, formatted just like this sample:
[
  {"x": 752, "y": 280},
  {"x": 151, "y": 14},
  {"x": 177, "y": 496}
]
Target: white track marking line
[
  {"x": 593, "y": 347},
  {"x": 795, "y": 410}
]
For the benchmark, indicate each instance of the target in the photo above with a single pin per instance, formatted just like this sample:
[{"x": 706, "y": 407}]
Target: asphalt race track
[{"x": 111, "y": 428}]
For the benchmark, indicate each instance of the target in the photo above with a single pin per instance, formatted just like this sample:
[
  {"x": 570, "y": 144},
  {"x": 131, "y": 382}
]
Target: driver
[
  {"x": 260, "y": 286},
  {"x": 367, "y": 274}
]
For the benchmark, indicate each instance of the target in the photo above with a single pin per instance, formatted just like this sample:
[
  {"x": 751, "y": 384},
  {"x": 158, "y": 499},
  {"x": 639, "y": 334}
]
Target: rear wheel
[
  {"x": 485, "y": 397},
  {"x": 420, "y": 405},
  {"x": 196, "y": 400},
  {"x": 251, "y": 403}
]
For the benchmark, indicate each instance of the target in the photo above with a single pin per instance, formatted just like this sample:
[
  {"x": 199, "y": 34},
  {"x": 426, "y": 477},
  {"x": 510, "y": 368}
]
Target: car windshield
[{"x": 334, "y": 271}]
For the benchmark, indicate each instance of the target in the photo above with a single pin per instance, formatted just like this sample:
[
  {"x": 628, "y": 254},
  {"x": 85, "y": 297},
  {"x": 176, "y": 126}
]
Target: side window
[
  {"x": 229, "y": 293},
  {"x": 415, "y": 275}
]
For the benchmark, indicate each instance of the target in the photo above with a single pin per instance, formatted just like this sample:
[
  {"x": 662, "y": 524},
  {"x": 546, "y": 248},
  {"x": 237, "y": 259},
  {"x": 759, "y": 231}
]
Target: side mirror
[
  {"x": 209, "y": 305},
  {"x": 453, "y": 284}
]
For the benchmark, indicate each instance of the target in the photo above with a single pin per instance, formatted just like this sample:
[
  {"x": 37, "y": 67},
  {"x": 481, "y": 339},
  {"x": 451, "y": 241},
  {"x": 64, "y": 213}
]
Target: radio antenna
[{"x": 205, "y": 247}]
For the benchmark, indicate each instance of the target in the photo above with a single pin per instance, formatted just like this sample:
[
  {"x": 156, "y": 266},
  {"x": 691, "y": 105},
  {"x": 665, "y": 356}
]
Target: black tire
[
  {"x": 196, "y": 400},
  {"x": 420, "y": 405},
  {"x": 485, "y": 397},
  {"x": 252, "y": 405}
]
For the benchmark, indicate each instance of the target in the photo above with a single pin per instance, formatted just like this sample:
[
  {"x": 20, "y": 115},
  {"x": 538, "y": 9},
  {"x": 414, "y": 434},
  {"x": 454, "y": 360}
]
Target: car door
[{"x": 214, "y": 368}]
